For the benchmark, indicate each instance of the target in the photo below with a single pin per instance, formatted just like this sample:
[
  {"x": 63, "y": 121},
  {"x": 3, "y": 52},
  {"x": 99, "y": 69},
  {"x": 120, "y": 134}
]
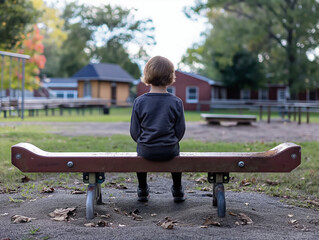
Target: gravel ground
[{"x": 271, "y": 218}]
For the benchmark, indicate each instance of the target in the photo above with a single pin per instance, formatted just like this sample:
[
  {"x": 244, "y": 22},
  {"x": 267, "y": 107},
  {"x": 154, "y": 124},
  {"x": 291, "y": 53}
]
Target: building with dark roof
[
  {"x": 59, "y": 87},
  {"x": 105, "y": 81},
  {"x": 192, "y": 88}
]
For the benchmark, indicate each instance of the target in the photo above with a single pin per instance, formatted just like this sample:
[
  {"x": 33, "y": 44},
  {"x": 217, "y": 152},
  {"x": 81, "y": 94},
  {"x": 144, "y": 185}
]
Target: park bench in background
[
  {"x": 28, "y": 158},
  {"x": 218, "y": 118}
]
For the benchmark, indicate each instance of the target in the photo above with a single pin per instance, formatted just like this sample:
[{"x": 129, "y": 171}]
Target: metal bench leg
[
  {"x": 91, "y": 191},
  {"x": 219, "y": 200},
  {"x": 94, "y": 193}
]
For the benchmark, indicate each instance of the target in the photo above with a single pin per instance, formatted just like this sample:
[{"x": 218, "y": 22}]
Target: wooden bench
[
  {"x": 218, "y": 118},
  {"x": 28, "y": 158}
]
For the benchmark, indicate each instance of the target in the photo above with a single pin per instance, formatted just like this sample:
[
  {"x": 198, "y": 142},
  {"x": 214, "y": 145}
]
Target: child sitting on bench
[{"x": 158, "y": 123}]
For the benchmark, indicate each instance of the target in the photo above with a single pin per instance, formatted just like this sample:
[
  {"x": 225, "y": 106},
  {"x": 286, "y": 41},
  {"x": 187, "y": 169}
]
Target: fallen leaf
[
  {"x": 232, "y": 214},
  {"x": 89, "y": 224},
  {"x": 244, "y": 219},
  {"x": 47, "y": 190},
  {"x": 245, "y": 182},
  {"x": 137, "y": 217},
  {"x": 102, "y": 223},
  {"x": 78, "y": 191},
  {"x": 290, "y": 215},
  {"x": 121, "y": 225},
  {"x": 62, "y": 214},
  {"x": 203, "y": 226},
  {"x": 21, "y": 219},
  {"x": 4, "y": 214},
  {"x": 293, "y": 221},
  {"x": 25, "y": 179},
  {"x": 190, "y": 191},
  {"x": 153, "y": 214},
  {"x": 272, "y": 183},
  {"x": 167, "y": 223},
  {"x": 107, "y": 216},
  {"x": 116, "y": 210},
  {"x": 121, "y": 186},
  {"x": 211, "y": 222}
]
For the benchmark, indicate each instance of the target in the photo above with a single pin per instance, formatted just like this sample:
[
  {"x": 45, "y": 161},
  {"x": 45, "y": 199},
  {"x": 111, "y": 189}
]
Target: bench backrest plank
[{"x": 28, "y": 158}]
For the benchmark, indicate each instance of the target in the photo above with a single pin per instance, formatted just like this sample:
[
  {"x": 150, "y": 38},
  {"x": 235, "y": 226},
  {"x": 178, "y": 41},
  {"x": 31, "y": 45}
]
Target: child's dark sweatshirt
[{"x": 157, "y": 125}]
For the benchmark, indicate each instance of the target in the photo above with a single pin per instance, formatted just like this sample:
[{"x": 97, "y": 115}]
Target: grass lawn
[
  {"x": 124, "y": 115},
  {"x": 299, "y": 187}
]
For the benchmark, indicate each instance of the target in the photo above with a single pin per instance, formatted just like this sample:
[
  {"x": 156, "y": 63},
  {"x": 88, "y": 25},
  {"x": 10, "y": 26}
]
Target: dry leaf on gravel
[
  {"x": 20, "y": 219},
  {"x": 137, "y": 217},
  {"x": 232, "y": 214},
  {"x": 62, "y": 214},
  {"x": 121, "y": 186},
  {"x": 47, "y": 190},
  {"x": 210, "y": 222},
  {"x": 107, "y": 216},
  {"x": 244, "y": 219},
  {"x": 89, "y": 224},
  {"x": 100, "y": 223},
  {"x": 167, "y": 223},
  {"x": 78, "y": 191}
]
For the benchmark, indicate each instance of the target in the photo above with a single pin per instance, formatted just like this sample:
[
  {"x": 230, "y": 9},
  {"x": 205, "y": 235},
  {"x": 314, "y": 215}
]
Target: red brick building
[{"x": 192, "y": 88}]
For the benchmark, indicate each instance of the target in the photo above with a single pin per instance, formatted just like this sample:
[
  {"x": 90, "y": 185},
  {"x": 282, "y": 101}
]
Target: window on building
[
  {"x": 87, "y": 89},
  {"x": 263, "y": 94},
  {"x": 192, "y": 94},
  {"x": 171, "y": 90},
  {"x": 60, "y": 95},
  {"x": 70, "y": 95},
  {"x": 281, "y": 95},
  {"x": 245, "y": 94}
]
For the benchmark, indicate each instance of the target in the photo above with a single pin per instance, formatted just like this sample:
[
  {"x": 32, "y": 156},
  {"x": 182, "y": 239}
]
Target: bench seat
[
  {"x": 218, "y": 118},
  {"x": 28, "y": 158}
]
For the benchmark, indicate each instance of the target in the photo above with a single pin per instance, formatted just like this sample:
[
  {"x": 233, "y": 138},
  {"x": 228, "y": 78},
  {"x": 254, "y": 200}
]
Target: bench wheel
[
  {"x": 220, "y": 200},
  {"x": 90, "y": 201}
]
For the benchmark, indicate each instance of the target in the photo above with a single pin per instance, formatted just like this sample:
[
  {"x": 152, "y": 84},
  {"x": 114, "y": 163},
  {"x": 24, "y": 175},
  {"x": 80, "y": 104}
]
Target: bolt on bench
[{"x": 28, "y": 158}]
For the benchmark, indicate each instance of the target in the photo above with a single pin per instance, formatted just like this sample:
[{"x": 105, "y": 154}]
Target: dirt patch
[{"x": 271, "y": 219}]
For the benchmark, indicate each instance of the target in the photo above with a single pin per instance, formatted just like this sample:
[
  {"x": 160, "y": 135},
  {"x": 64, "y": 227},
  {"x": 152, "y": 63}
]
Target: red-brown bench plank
[{"x": 283, "y": 158}]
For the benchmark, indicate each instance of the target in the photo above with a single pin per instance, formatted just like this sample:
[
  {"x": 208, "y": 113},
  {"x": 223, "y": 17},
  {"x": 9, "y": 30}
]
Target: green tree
[
  {"x": 102, "y": 34},
  {"x": 15, "y": 17},
  {"x": 282, "y": 35}
]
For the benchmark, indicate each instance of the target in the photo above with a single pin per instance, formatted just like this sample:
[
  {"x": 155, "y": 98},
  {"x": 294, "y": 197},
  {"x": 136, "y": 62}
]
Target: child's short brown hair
[{"x": 159, "y": 71}]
